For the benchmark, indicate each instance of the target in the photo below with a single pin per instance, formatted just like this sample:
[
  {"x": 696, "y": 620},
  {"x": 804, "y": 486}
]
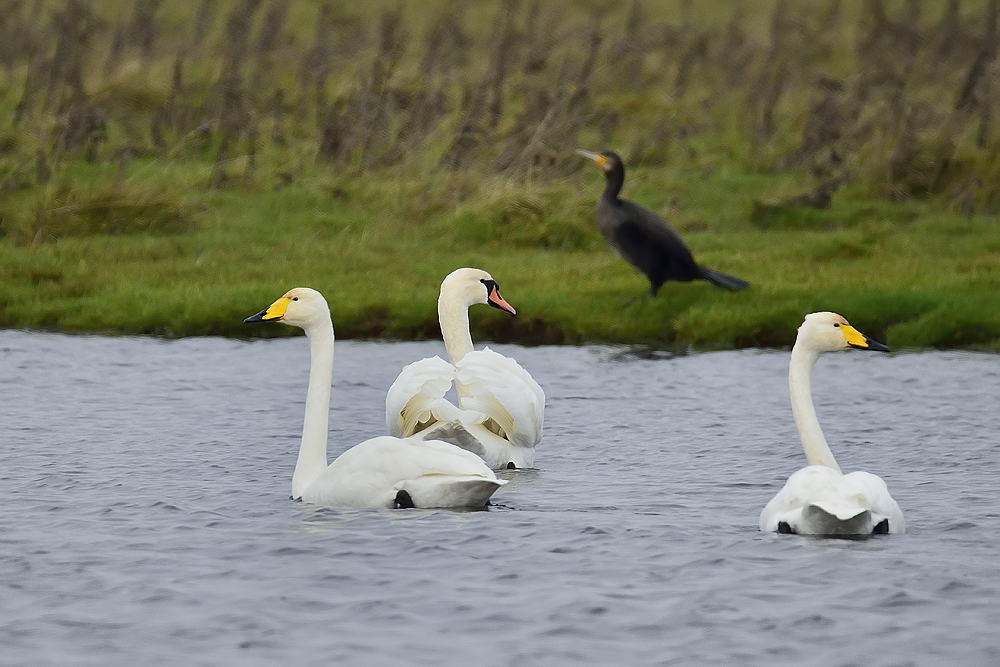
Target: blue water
[{"x": 145, "y": 519}]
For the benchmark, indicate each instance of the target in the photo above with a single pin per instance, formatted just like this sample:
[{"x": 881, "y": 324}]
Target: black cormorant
[{"x": 644, "y": 239}]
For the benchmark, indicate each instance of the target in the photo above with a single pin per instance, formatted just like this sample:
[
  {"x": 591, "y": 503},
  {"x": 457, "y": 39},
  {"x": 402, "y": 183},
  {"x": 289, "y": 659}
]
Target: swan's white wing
[
  {"x": 500, "y": 389},
  {"x": 820, "y": 500},
  {"x": 872, "y": 490},
  {"x": 794, "y": 495},
  {"x": 516, "y": 369},
  {"x": 449, "y": 476},
  {"x": 416, "y": 399},
  {"x": 435, "y": 474}
]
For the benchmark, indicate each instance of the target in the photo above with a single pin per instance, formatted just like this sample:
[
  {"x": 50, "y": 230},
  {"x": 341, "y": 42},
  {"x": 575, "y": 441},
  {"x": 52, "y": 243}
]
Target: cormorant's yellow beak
[
  {"x": 272, "y": 313},
  {"x": 597, "y": 158},
  {"x": 858, "y": 340}
]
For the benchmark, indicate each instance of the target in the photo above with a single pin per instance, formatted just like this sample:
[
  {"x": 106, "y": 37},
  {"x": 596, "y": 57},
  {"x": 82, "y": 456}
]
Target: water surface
[{"x": 144, "y": 514}]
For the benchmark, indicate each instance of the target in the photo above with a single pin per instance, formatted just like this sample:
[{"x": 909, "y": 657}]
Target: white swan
[
  {"x": 381, "y": 472},
  {"x": 819, "y": 499},
  {"x": 500, "y": 406}
]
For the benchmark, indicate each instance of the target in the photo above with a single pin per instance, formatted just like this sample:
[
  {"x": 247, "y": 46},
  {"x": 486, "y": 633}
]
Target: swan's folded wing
[
  {"x": 503, "y": 391},
  {"x": 416, "y": 399},
  {"x": 395, "y": 459},
  {"x": 438, "y": 474},
  {"x": 370, "y": 473},
  {"x": 841, "y": 497},
  {"x": 798, "y": 491},
  {"x": 880, "y": 501},
  {"x": 434, "y": 457},
  {"x": 856, "y": 492}
]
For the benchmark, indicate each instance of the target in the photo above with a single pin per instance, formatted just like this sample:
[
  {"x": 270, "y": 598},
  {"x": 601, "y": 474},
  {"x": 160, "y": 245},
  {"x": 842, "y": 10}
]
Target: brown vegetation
[{"x": 904, "y": 109}]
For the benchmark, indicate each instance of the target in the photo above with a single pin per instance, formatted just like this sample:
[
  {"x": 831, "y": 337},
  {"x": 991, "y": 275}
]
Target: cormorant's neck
[
  {"x": 312, "y": 452},
  {"x": 614, "y": 180},
  {"x": 800, "y": 390}
]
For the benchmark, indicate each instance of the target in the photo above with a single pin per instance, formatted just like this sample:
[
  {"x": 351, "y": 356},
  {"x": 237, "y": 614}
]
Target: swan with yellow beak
[
  {"x": 383, "y": 472},
  {"x": 819, "y": 499}
]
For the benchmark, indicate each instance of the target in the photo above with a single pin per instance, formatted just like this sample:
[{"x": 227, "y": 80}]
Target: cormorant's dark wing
[
  {"x": 655, "y": 228},
  {"x": 653, "y": 246}
]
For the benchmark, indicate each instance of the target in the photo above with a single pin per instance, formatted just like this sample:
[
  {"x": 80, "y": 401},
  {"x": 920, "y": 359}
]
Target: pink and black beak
[{"x": 494, "y": 299}]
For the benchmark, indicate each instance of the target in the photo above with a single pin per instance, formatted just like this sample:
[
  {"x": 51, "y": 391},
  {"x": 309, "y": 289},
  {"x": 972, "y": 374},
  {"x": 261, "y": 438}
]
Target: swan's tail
[
  {"x": 452, "y": 490},
  {"x": 723, "y": 280},
  {"x": 817, "y": 519}
]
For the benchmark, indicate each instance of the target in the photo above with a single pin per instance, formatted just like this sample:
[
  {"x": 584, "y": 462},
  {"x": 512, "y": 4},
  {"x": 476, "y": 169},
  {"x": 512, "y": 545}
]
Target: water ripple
[{"x": 144, "y": 514}]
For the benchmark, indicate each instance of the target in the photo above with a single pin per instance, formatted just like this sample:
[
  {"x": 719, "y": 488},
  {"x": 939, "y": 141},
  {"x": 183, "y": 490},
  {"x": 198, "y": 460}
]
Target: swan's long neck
[
  {"x": 312, "y": 452},
  {"x": 813, "y": 442},
  {"x": 453, "y": 316}
]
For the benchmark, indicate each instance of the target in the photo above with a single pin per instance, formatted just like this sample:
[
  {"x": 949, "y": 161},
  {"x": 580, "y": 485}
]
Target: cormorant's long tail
[{"x": 720, "y": 279}]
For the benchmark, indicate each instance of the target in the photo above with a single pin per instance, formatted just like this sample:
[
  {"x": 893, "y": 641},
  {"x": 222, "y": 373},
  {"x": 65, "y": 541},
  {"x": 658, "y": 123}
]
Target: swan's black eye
[
  {"x": 295, "y": 298},
  {"x": 836, "y": 325}
]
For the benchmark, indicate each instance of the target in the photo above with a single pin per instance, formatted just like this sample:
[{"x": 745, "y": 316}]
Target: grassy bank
[
  {"x": 911, "y": 275},
  {"x": 175, "y": 174}
]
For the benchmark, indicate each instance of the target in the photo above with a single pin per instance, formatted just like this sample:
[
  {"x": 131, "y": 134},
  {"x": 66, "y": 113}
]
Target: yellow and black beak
[
  {"x": 596, "y": 158},
  {"x": 859, "y": 341},
  {"x": 494, "y": 299},
  {"x": 272, "y": 313}
]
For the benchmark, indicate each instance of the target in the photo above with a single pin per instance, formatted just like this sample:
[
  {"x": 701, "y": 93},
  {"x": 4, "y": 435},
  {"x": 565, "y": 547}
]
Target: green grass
[{"x": 913, "y": 275}]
